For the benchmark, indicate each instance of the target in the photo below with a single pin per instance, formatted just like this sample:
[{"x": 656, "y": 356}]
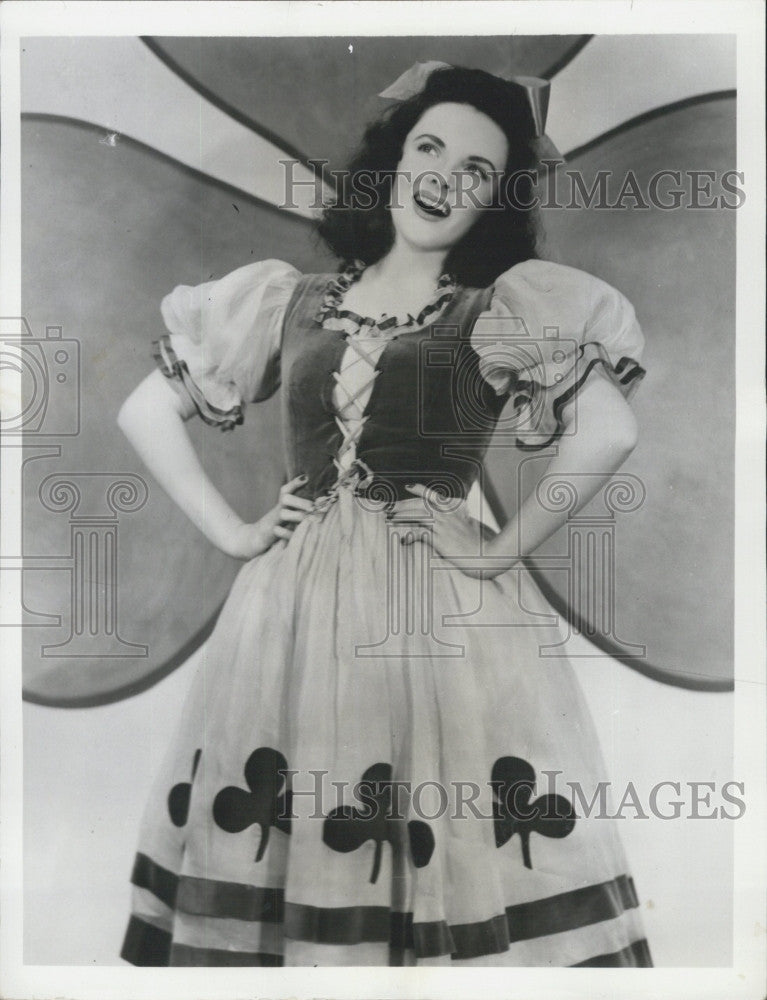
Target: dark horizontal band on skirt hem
[
  {"x": 635, "y": 955},
  {"x": 351, "y": 925},
  {"x": 147, "y": 945}
]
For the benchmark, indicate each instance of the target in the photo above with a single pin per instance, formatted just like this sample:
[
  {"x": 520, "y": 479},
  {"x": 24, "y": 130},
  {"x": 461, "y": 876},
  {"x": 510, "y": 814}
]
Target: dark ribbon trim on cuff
[
  {"x": 634, "y": 955},
  {"x": 145, "y": 944},
  {"x": 629, "y": 371},
  {"x": 177, "y": 370},
  {"x": 626, "y": 375}
]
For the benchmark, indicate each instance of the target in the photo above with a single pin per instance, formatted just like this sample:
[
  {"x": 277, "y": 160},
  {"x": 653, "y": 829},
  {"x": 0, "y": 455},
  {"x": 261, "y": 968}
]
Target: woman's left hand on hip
[{"x": 454, "y": 535}]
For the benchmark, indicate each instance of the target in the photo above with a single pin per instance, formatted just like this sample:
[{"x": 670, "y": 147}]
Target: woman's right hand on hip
[{"x": 245, "y": 541}]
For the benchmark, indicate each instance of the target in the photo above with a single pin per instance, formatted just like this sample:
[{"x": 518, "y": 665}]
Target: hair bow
[{"x": 535, "y": 89}]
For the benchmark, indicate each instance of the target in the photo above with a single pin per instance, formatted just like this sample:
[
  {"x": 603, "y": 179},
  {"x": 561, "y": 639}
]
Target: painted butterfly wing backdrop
[
  {"x": 126, "y": 194},
  {"x": 673, "y": 547}
]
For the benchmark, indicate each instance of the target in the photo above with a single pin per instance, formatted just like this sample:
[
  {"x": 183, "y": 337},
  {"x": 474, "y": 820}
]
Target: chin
[{"x": 414, "y": 234}]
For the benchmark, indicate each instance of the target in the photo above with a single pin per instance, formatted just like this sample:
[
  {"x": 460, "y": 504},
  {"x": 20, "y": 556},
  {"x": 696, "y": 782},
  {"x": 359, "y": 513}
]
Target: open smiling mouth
[{"x": 432, "y": 208}]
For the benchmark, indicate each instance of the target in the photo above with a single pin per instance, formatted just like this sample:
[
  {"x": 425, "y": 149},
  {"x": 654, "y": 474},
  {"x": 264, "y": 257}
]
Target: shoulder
[
  {"x": 546, "y": 277},
  {"x": 247, "y": 288},
  {"x": 552, "y": 295},
  {"x": 256, "y": 275},
  {"x": 227, "y": 308},
  {"x": 247, "y": 277}
]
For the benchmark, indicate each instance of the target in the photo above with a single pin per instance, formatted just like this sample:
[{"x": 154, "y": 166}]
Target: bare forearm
[
  {"x": 586, "y": 458},
  {"x": 151, "y": 420},
  {"x": 533, "y": 523}
]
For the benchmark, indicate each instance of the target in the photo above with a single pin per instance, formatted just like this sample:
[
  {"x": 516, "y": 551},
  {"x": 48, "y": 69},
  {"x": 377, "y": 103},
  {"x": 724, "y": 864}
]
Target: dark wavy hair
[{"x": 500, "y": 238}]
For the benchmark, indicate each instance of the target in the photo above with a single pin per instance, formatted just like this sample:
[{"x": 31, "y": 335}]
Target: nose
[
  {"x": 437, "y": 182},
  {"x": 440, "y": 188},
  {"x": 447, "y": 186}
]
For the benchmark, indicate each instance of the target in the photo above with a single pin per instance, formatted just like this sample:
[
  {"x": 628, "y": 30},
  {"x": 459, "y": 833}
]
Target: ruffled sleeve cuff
[
  {"x": 224, "y": 337},
  {"x": 177, "y": 370},
  {"x": 549, "y": 327}
]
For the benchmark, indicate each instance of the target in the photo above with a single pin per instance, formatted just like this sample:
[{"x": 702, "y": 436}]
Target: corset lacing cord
[
  {"x": 359, "y": 474},
  {"x": 350, "y": 415},
  {"x": 352, "y": 471}
]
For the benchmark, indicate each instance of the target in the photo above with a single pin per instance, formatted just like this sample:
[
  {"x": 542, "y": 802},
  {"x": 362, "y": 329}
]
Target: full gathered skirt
[{"x": 377, "y": 765}]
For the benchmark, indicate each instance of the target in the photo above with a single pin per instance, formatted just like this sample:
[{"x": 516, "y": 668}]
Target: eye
[
  {"x": 475, "y": 168},
  {"x": 426, "y": 147}
]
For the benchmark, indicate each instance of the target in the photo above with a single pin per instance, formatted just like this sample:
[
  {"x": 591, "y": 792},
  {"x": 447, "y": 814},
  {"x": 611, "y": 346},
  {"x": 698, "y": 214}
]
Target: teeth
[
  {"x": 428, "y": 202},
  {"x": 432, "y": 202}
]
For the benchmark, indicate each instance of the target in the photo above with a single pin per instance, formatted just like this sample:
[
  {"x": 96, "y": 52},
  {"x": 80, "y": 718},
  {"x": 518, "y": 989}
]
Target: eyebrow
[{"x": 435, "y": 139}]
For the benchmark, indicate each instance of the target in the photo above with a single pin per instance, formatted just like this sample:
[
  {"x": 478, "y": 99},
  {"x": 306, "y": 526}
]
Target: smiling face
[{"x": 449, "y": 171}]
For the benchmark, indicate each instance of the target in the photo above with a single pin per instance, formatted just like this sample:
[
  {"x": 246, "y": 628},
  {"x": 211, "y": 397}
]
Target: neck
[{"x": 404, "y": 264}]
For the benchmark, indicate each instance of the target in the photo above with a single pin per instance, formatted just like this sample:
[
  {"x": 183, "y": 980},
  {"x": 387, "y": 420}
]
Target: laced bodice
[
  {"x": 366, "y": 339},
  {"x": 414, "y": 396}
]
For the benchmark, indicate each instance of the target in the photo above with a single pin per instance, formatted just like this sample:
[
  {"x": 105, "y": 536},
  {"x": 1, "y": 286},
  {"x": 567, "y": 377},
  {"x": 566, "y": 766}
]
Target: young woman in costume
[{"x": 362, "y": 771}]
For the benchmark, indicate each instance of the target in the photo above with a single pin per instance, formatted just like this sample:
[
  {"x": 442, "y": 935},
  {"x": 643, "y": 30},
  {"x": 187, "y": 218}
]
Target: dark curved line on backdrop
[
  {"x": 239, "y": 116},
  {"x": 648, "y": 116},
  {"x": 199, "y": 175},
  {"x": 191, "y": 645},
  {"x": 156, "y": 48},
  {"x": 659, "y": 674},
  {"x": 689, "y": 681},
  {"x": 134, "y": 687},
  {"x": 567, "y": 57},
  {"x": 664, "y": 676}
]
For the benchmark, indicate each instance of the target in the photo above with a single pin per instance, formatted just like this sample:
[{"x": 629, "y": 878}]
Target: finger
[
  {"x": 281, "y": 532},
  {"x": 290, "y": 500},
  {"x": 413, "y": 532},
  {"x": 292, "y": 515},
  {"x": 418, "y": 533},
  {"x": 430, "y": 542},
  {"x": 294, "y": 483},
  {"x": 449, "y": 537},
  {"x": 432, "y": 497},
  {"x": 461, "y": 512},
  {"x": 445, "y": 538}
]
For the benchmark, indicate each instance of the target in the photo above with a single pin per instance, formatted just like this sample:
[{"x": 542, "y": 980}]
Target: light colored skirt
[{"x": 372, "y": 768}]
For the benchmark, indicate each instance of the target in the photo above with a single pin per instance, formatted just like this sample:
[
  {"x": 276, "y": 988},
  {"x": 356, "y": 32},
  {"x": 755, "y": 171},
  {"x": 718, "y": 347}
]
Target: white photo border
[{"x": 744, "y": 18}]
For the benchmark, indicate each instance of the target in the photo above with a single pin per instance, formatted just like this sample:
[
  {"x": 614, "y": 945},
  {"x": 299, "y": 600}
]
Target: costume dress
[{"x": 362, "y": 773}]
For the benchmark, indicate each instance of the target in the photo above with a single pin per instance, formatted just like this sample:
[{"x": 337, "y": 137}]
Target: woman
[{"x": 358, "y": 777}]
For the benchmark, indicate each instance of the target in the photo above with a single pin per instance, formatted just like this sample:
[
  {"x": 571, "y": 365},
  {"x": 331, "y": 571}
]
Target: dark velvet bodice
[{"x": 430, "y": 415}]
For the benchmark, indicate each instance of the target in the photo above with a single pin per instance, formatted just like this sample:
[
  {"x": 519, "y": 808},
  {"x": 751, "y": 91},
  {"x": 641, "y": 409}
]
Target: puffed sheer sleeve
[
  {"x": 223, "y": 343},
  {"x": 549, "y": 328}
]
